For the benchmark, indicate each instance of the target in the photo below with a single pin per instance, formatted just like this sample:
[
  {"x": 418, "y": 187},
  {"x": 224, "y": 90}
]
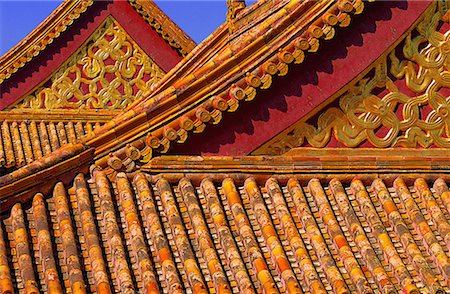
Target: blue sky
[{"x": 197, "y": 18}]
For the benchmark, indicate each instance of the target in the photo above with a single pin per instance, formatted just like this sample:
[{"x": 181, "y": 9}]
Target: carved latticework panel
[
  {"x": 402, "y": 102},
  {"x": 108, "y": 72}
]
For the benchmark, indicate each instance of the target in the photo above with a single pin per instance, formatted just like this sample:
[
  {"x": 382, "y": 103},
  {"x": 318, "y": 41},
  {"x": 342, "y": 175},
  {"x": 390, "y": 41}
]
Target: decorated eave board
[{"x": 301, "y": 148}]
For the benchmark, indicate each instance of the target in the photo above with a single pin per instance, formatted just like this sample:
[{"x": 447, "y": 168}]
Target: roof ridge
[{"x": 207, "y": 99}]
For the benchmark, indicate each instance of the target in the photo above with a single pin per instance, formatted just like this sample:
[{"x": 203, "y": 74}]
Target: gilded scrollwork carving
[
  {"x": 108, "y": 72},
  {"x": 403, "y": 101}
]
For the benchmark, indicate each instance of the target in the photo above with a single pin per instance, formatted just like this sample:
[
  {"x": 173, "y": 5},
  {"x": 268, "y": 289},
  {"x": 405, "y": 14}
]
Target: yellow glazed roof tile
[{"x": 231, "y": 234}]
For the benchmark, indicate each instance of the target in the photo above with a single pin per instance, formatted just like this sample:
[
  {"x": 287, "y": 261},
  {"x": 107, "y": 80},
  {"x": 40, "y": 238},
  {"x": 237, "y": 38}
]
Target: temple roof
[
  {"x": 77, "y": 70},
  {"x": 94, "y": 205},
  {"x": 68, "y": 12},
  {"x": 195, "y": 92},
  {"x": 87, "y": 61},
  {"x": 224, "y": 72},
  {"x": 233, "y": 232}
]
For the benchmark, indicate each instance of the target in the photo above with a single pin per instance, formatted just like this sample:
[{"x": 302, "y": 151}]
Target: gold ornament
[
  {"x": 109, "y": 72},
  {"x": 376, "y": 110}
]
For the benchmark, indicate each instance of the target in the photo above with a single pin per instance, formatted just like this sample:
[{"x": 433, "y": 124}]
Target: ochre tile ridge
[
  {"x": 314, "y": 235},
  {"x": 202, "y": 234},
  {"x": 121, "y": 267},
  {"x": 307, "y": 267},
  {"x": 226, "y": 239},
  {"x": 372, "y": 262},
  {"x": 438, "y": 217},
  {"x": 443, "y": 192},
  {"x": 144, "y": 263},
  {"x": 339, "y": 240},
  {"x": 66, "y": 228},
  {"x": 421, "y": 226},
  {"x": 389, "y": 252},
  {"x": 9, "y": 151},
  {"x": 6, "y": 283},
  {"x": 16, "y": 140},
  {"x": 157, "y": 236},
  {"x": 183, "y": 245},
  {"x": 93, "y": 247},
  {"x": 45, "y": 140},
  {"x": 35, "y": 140},
  {"x": 270, "y": 236},
  {"x": 26, "y": 143},
  {"x": 22, "y": 246},
  {"x": 401, "y": 229},
  {"x": 248, "y": 237},
  {"x": 44, "y": 241}
]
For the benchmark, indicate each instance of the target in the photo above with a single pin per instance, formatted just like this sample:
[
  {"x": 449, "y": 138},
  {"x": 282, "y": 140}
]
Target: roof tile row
[
  {"x": 227, "y": 236},
  {"x": 22, "y": 142}
]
